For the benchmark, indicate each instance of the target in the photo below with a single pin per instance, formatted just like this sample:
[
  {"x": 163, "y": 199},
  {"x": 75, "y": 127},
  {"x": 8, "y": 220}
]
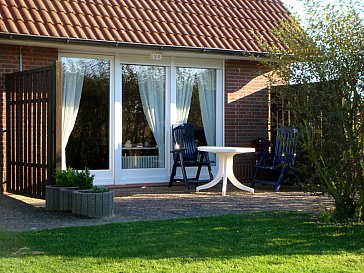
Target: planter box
[
  {"x": 91, "y": 204},
  {"x": 52, "y": 197},
  {"x": 65, "y": 198},
  {"x": 59, "y": 198}
]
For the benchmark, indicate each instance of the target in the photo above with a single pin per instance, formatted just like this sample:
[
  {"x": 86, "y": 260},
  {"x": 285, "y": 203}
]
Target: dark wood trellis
[
  {"x": 31, "y": 120},
  {"x": 278, "y": 116}
]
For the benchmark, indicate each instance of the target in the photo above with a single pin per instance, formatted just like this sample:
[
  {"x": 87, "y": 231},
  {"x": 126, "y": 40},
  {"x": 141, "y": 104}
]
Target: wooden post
[{"x": 58, "y": 155}]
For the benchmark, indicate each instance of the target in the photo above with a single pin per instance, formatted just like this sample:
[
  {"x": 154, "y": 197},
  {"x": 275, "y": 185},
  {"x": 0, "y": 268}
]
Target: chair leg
[
  {"x": 184, "y": 174},
  {"x": 183, "y": 169},
  {"x": 198, "y": 172},
  {"x": 173, "y": 174},
  {"x": 210, "y": 172},
  {"x": 252, "y": 184},
  {"x": 280, "y": 180}
]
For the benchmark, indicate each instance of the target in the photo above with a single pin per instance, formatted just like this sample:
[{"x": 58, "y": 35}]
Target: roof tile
[{"x": 222, "y": 24}]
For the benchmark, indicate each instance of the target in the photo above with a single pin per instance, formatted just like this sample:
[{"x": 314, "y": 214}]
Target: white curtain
[
  {"x": 151, "y": 82},
  {"x": 71, "y": 96},
  {"x": 185, "y": 82},
  {"x": 207, "y": 95}
]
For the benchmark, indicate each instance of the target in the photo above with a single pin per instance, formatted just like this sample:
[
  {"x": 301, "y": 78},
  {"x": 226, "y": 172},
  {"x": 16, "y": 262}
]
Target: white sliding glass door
[
  {"x": 154, "y": 97},
  {"x": 118, "y": 112},
  {"x": 143, "y": 147}
]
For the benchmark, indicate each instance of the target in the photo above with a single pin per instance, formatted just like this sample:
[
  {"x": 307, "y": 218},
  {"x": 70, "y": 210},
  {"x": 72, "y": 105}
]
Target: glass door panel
[
  {"x": 196, "y": 102},
  {"x": 143, "y": 116},
  {"x": 85, "y": 113}
]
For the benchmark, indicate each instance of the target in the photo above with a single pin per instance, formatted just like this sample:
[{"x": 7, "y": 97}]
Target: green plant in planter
[
  {"x": 73, "y": 178},
  {"x": 99, "y": 189},
  {"x": 65, "y": 178},
  {"x": 59, "y": 197},
  {"x": 83, "y": 179}
]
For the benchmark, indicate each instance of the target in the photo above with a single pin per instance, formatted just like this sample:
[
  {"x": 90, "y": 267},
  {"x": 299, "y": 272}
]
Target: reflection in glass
[
  {"x": 143, "y": 117},
  {"x": 85, "y": 113},
  {"x": 196, "y": 102}
]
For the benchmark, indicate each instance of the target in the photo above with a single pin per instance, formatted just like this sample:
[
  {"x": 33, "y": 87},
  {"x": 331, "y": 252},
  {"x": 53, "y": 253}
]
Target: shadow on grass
[{"x": 244, "y": 235}]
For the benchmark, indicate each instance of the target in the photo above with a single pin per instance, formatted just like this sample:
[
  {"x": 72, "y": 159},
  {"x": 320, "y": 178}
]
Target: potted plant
[
  {"x": 78, "y": 180},
  {"x": 96, "y": 202},
  {"x": 63, "y": 178},
  {"x": 59, "y": 196}
]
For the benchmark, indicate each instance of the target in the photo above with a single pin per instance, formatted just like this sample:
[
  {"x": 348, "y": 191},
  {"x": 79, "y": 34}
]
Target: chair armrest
[{"x": 178, "y": 151}]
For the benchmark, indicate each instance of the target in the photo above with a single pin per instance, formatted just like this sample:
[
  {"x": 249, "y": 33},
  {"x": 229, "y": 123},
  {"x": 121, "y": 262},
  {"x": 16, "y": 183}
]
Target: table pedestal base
[{"x": 225, "y": 171}]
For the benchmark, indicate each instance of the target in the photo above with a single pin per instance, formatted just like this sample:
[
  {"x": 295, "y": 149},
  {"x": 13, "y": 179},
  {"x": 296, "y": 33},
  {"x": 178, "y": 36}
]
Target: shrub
[
  {"x": 99, "y": 189},
  {"x": 327, "y": 216},
  {"x": 83, "y": 179},
  {"x": 322, "y": 86},
  {"x": 65, "y": 178},
  {"x": 74, "y": 178}
]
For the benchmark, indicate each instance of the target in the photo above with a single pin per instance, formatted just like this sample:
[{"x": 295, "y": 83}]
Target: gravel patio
[{"x": 19, "y": 213}]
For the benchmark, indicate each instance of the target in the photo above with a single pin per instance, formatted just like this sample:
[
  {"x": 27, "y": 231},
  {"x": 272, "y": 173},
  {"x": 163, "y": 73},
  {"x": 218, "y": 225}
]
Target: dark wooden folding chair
[
  {"x": 185, "y": 154},
  {"x": 271, "y": 168}
]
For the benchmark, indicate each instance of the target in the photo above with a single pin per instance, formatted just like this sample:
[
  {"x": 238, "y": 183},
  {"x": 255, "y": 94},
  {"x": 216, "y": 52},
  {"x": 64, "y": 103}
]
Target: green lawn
[{"x": 256, "y": 242}]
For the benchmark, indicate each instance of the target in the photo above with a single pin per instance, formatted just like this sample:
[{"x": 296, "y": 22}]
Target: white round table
[{"x": 225, "y": 167}]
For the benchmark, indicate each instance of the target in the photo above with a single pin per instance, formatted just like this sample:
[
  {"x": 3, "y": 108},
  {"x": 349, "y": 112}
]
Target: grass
[{"x": 256, "y": 242}]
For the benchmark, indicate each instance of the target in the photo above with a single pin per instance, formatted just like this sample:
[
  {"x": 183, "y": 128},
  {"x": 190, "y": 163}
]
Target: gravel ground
[{"x": 19, "y": 213}]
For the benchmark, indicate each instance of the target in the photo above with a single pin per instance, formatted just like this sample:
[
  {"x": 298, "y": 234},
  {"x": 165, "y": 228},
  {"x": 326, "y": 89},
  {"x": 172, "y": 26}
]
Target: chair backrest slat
[
  {"x": 286, "y": 145},
  {"x": 183, "y": 136}
]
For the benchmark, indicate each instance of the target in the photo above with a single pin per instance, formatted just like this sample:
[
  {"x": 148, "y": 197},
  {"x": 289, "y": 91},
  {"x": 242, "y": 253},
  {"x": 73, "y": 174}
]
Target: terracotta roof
[{"x": 203, "y": 24}]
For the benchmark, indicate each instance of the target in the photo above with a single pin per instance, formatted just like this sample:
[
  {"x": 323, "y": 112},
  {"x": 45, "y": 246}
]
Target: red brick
[{"x": 246, "y": 108}]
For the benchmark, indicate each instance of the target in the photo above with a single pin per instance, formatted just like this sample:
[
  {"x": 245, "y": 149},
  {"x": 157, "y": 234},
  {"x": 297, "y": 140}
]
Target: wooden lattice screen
[
  {"x": 278, "y": 116},
  {"x": 31, "y": 129}
]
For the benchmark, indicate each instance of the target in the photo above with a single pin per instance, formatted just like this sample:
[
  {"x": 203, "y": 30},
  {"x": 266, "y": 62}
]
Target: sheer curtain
[
  {"x": 185, "y": 81},
  {"x": 71, "y": 96},
  {"x": 151, "y": 82},
  {"x": 207, "y": 96}
]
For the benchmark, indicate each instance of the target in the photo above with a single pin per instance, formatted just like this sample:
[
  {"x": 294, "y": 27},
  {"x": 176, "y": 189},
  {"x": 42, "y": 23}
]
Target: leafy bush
[
  {"x": 84, "y": 180},
  {"x": 99, "y": 189},
  {"x": 322, "y": 85},
  {"x": 65, "y": 178},
  {"x": 327, "y": 216},
  {"x": 74, "y": 178}
]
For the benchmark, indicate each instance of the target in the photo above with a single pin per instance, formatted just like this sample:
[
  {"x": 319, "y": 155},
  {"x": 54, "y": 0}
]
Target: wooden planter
[
  {"x": 65, "y": 198},
  {"x": 91, "y": 204}
]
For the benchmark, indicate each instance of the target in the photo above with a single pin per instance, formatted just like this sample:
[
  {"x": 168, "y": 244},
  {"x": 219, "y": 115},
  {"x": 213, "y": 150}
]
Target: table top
[{"x": 222, "y": 149}]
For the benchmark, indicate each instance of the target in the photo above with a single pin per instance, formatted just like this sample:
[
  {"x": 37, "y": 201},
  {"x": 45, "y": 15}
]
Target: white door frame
[
  {"x": 136, "y": 176},
  {"x": 115, "y": 174},
  {"x": 102, "y": 177}
]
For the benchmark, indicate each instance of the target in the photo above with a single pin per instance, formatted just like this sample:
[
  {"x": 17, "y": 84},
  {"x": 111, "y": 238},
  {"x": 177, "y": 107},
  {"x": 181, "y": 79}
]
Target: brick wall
[
  {"x": 32, "y": 57},
  {"x": 246, "y": 110}
]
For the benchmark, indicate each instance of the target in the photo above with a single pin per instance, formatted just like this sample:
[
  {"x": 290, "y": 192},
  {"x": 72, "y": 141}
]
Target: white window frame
[{"x": 102, "y": 177}]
